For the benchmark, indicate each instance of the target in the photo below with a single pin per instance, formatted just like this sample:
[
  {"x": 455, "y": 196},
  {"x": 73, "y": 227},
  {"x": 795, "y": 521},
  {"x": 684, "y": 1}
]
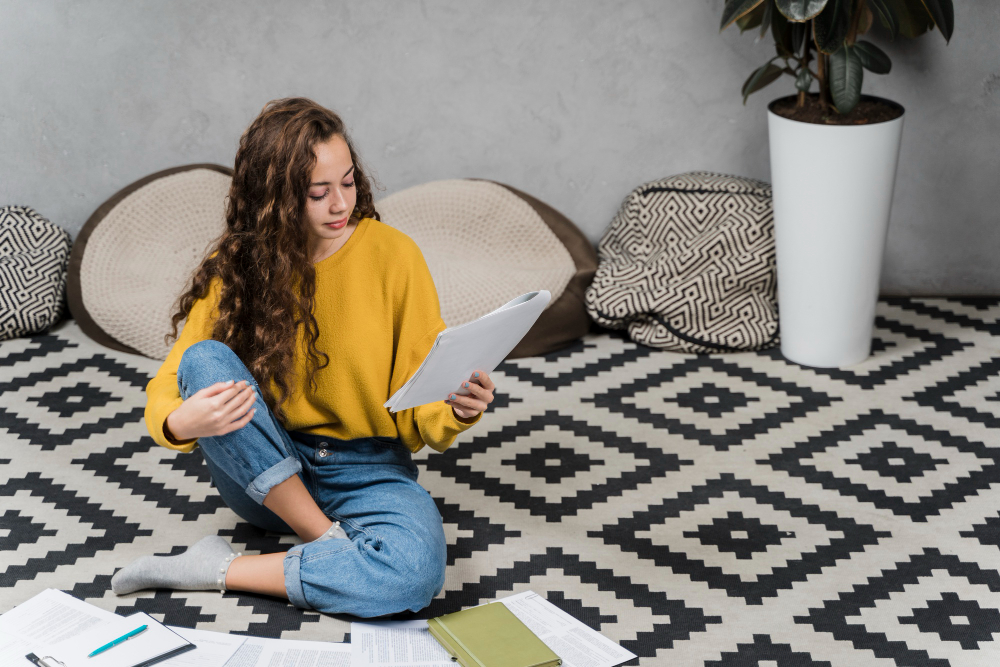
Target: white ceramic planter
[{"x": 832, "y": 187}]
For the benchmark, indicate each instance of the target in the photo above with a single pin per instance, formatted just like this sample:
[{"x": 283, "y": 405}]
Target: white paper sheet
[
  {"x": 458, "y": 351},
  {"x": 214, "y": 648},
  {"x": 52, "y": 617},
  {"x": 45, "y": 623},
  {"x": 396, "y": 644},
  {"x": 574, "y": 642},
  {"x": 13, "y": 650},
  {"x": 259, "y": 652},
  {"x": 156, "y": 640}
]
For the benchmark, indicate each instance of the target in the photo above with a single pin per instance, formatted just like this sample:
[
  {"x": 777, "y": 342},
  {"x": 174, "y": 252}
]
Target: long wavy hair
[{"x": 263, "y": 259}]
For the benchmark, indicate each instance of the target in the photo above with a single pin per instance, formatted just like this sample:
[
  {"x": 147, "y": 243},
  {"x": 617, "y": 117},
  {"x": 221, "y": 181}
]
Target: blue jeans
[{"x": 395, "y": 558}]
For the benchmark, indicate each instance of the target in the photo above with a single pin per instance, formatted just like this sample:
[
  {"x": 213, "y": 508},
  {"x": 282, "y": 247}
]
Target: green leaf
[
  {"x": 751, "y": 19},
  {"x": 800, "y": 10},
  {"x": 943, "y": 14},
  {"x": 846, "y": 75},
  {"x": 885, "y": 14},
  {"x": 799, "y": 31},
  {"x": 782, "y": 31},
  {"x": 833, "y": 24},
  {"x": 912, "y": 17},
  {"x": 735, "y": 9},
  {"x": 765, "y": 21},
  {"x": 804, "y": 80},
  {"x": 872, "y": 58},
  {"x": 762, "y": 76}
]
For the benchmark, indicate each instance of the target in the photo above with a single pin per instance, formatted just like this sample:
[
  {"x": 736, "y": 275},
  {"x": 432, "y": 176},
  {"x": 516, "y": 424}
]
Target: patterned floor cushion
[
  {"x": 486, "y": 243},
  {"x": 33, "y": 254},
  {"x": 687, "y": 265},
  {"x": 136, "y": 253}
]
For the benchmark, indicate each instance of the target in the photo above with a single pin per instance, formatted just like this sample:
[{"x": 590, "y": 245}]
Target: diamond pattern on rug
[
  {"x": 892, "y": 463},
  {"x": 675, "y": 399},
  {"x": 934, "y": 610},
  {"x": 906, "y": 349},
  {"x": 700, "y": 510},
  {"x": 740, "y": 537}
]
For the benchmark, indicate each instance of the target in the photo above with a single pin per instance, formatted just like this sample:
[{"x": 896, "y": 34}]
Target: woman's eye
[
  {"x": 317, "y": 197},
  {"x": 349, "y": 185}
]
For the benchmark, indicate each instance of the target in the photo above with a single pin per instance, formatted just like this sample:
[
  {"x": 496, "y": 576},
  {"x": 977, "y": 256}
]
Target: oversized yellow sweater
[{"x": 378, "y": 315}]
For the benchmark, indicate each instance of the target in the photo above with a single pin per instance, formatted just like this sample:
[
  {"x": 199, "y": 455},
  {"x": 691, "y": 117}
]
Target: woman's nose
[{"x": 337, "y": 202}]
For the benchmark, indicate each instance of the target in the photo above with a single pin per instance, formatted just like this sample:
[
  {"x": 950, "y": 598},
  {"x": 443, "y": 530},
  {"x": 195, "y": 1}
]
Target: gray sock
[
  {"x": 202, "y": 567},
  {"x": 333, "y": 532}
]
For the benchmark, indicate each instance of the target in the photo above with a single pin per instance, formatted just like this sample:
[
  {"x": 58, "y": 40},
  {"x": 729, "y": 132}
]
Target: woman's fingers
[
  {"x": 239, "y": 423},
  {"x": 239, "y": 404}
]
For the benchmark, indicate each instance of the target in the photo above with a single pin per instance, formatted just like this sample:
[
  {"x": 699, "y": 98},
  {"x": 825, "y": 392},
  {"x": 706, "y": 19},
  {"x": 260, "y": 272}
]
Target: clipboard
[
  {"x": 145, "y": 650},
  {"x": 477, "y": 345}
]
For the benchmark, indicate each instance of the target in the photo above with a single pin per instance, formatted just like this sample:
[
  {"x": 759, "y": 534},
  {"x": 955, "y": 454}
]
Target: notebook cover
[{"x": 491, "y": 636}]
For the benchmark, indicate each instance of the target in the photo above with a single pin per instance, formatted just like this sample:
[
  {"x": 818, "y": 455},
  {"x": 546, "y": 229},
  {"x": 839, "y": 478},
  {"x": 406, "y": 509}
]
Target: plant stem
[
  {"x": 824, "y": 97},
  {"x": 801, "y": 102},
  {"x": 852, "y": 34}
]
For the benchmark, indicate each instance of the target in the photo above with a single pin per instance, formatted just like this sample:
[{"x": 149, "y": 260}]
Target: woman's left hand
[{"x": 480, "y": 388}]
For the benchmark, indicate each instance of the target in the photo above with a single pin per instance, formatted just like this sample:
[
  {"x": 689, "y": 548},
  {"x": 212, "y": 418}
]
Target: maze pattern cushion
[
  {"x": 33, "y": 255},
  {"x": 687, "y": 265},
  {"x": 486, "y": 243},
  {"x": 136, "y": 253}
]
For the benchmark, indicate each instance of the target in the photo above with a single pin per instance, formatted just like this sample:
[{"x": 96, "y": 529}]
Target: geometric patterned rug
[{"x": 720, "y": 510}]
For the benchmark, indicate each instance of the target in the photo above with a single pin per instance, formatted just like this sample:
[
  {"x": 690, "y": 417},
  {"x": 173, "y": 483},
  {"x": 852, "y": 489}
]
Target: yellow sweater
[{"x": 378, "y": 315}]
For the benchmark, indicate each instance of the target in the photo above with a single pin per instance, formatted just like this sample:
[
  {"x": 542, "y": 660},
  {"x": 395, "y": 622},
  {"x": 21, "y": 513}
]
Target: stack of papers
[
  {"x": 410, "y": 644},
  {"x": 56, "y": 624}
]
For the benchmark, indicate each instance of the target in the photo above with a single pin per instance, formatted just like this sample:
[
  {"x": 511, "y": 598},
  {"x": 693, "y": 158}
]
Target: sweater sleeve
[
  {"x": 417, "y": 323},
  {"x": 162, "y": 393}
]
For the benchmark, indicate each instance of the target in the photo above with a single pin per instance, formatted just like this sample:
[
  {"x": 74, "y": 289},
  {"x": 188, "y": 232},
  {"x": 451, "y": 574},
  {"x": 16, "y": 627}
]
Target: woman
[{"x": 307, "y": 316}]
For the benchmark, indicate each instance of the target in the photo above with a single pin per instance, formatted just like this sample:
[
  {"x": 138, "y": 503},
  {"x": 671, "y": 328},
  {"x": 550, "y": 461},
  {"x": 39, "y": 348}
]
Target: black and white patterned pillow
[
  {"x": 33, "y": 262},
  {"x": 688, "y": 265}
]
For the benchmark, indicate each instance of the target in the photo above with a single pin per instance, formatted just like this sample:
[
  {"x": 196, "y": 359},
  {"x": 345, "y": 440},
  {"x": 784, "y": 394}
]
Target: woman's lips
[{"x": 336, "y": 225}]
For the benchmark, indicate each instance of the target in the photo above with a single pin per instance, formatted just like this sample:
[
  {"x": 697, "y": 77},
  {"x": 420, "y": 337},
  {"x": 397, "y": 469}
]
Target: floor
[{"x": 699, "y": 510}]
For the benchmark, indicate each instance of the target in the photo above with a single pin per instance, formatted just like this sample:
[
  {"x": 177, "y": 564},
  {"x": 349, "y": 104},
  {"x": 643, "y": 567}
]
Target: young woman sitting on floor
[{"x": 307, "y": 316}]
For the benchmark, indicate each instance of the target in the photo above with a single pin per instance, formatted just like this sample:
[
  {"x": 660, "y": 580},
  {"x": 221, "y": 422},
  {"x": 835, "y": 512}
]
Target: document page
[
  {"x": 577, "y": 644},
  {"x": 214, "y": 648},
  {"x": 13, "y": 650},
  {"x": 49, "y": 620},
  {"x": 396, "y": 644},
  {"x": 155, "y": 641},
  {"x": 259, "y": 652}
]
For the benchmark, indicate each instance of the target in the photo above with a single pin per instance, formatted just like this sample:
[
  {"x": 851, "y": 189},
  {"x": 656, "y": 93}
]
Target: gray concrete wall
[{"x": 574, "y": 101}]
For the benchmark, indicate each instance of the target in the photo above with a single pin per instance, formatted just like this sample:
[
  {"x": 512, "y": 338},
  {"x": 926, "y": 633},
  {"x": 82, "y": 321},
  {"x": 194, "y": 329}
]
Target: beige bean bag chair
[
  {"x": 136, "y": 253},
  {"x": 486, "y": 243}
]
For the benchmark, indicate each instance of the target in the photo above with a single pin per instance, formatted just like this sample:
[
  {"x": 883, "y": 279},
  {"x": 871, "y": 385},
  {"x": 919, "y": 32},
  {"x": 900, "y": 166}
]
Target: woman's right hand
[{"x": 215, "y": 410}]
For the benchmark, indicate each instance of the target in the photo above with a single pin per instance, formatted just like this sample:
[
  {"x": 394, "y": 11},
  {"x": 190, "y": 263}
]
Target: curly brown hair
[{"x": 263, "y": 254}]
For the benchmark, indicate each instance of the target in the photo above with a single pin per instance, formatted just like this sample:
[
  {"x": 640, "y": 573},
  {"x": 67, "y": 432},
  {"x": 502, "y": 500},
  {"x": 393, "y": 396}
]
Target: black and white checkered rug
[{"x": 701, "y": 510}]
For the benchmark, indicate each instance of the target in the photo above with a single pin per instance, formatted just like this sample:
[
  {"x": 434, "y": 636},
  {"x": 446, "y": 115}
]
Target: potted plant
[{"x": 833, "y": 162}]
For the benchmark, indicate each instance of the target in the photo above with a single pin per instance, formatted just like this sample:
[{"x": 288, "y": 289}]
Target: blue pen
[{"x": 116, "y": 642}]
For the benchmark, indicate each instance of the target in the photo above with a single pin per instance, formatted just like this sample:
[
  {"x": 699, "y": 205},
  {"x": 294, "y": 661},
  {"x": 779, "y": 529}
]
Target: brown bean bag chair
[
  {"x": 486, "y": 243},
  {"x": 136, "y": 253}
]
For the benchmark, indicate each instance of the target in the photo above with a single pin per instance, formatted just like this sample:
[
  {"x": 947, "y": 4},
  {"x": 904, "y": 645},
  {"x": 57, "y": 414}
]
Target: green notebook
[{"x": 491, "y": 636}]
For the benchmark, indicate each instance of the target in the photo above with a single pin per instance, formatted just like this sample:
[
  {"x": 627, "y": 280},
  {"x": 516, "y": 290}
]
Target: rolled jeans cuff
[
  {"x": 260, "y": 486},
  {"x": 293, "y": 580}
]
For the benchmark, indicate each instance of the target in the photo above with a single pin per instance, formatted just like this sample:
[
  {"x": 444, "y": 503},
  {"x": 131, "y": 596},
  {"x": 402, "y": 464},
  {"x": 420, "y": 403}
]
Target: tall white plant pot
[{"x": 832, "y": 188}]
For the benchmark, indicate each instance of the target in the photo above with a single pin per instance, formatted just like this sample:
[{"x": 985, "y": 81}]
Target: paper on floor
[
  {"x": 396, "y": 644},
  {"x": 46, "y": 622},
  {"x": 410, "y": 643},
  {"x": 155, "y": 641},
  {"x": 214, "y": 648},
  {"x": 259, "y": 652},
  {"x": 576, "y": 643}
]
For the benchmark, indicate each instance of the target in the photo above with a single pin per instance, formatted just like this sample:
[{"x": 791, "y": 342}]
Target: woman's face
[{"x": 331, "y": 197}]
